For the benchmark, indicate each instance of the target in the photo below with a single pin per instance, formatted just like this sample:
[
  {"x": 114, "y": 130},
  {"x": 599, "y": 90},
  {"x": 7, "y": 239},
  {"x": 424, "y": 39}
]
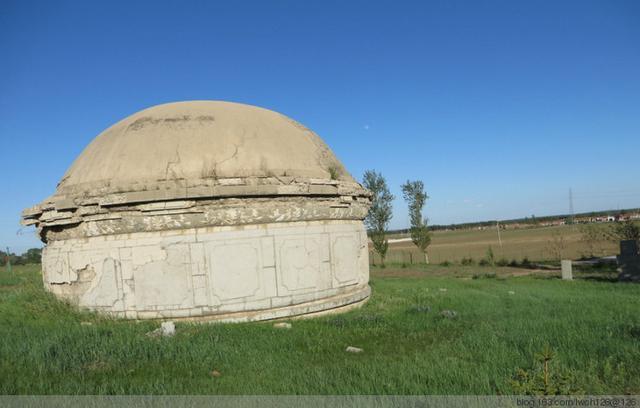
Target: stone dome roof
[
  {"x": 195, "y": 141},
  {"x": 186, "y": 162}
]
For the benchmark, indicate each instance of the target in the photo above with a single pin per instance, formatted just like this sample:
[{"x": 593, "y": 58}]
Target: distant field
[
  {"x": 536, "y": 244},
  {"x": 426, "y": 330}
]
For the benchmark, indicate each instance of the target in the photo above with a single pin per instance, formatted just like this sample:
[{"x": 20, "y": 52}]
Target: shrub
[
  {"x": 491, "y": 275},
  {"x": 419, "y": 309},
  {"x": 502, "y": 262},
  {"x": 544, "y": 378},
  {"x": 625, "y": 230},
  {"x": 445, "y": 263},
  {"x": 484, "y": 262},
  {"x": 334, "y": 172},
  {"x": 490, "y": 257},
  {"x": 467, "y": 261}
]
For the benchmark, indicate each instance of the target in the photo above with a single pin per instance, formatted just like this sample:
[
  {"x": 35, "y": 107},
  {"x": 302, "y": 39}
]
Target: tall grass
[{"x": 48, "y": 347}]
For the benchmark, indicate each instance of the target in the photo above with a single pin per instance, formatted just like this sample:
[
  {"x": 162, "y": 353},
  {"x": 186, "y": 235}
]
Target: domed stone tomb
[{"x": 209, "y": 210}]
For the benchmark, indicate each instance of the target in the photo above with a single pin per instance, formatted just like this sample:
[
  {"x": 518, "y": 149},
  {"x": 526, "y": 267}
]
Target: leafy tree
[
  {"x": 380, "y": 213},
  {"x": 414, "y": 195},
  {"x": 11, "y": 257},
  {"x": 33, "y": 256},
  {"x": 625, "y": 230}
]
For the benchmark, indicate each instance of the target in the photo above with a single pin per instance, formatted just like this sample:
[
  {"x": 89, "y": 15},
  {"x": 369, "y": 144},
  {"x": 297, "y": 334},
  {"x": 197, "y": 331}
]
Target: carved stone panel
[
  {"x": 162, "y": 277},
  {"x": 345, "y": 250},
  {"x": 235, "y": 269},
  {"x": 105, "y": 292},
  {"x": 303, "y": 263},
  {"x": 55, "y": 266}
]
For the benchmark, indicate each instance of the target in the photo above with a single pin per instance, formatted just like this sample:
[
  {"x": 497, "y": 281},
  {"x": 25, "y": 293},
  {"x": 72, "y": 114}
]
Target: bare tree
[
  {"x": 414, "y": 195},
  {"x": 380, "y": 213}
]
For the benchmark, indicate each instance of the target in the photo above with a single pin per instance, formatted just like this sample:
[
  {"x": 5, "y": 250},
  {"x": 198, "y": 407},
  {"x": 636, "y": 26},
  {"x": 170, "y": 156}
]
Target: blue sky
[{"x": 498, "y": 106}]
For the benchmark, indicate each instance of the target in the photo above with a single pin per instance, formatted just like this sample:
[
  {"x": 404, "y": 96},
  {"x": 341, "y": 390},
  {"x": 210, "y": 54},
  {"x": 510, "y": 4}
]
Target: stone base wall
[{"x": 250, "y": 272}]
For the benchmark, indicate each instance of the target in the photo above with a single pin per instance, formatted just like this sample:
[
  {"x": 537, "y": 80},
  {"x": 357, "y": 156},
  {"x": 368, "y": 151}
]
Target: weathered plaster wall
[{"x": 225, "y": 271}]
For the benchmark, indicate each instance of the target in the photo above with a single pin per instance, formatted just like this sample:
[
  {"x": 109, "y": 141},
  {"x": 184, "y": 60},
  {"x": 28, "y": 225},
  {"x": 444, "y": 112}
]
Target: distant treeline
[
  {"x": 31, "y": 256},
  {"x": 532, "y": 220}
]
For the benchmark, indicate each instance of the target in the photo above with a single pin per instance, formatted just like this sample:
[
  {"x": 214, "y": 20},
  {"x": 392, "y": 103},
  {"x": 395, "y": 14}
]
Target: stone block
[
  {"x": 628, "y": 248},
  {"x": 235, "y": 269},
  {"x": 567, "y": 272},
  {"x": 345, "y": 250},
  {"x": 198, "y": 263},
  {"x": 303, "y": 263},
  {"x": 162, "y": 276}
]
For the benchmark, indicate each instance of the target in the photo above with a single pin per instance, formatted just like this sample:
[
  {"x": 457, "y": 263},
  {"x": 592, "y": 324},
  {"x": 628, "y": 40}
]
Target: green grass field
[
  {"x": 536, "y": 244},
  {"x": 502, "y": 322}
]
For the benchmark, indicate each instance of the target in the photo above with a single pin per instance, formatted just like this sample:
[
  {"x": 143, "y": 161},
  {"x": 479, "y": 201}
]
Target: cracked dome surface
[
  {"x": 194, "y": 141},
  {"x": 196, "y": 164}
]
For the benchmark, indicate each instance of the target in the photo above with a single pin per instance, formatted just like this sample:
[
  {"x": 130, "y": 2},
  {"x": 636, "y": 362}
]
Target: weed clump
[
  {"x": 490, "y": 275},
  {"x": 544, "y": 378},
  {"x": 490, "y": 258},
  {"x": 502, "y": 262},
  {"x": 419, "y": 309},
  {"x": 362, "y": 321},
  {"x": 334, "y": 172},
  {"x": 467, "y": 261}
]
